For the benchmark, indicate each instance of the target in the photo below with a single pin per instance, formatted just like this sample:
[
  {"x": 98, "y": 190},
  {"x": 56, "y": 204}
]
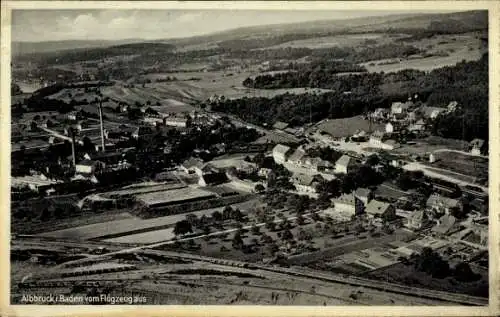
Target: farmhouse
[
  {"x": 345, "y": 164},
  {"x": 306, "y": 183},
  {"x": 380, "y": 209},
  {"x": 281, "y": 153}
]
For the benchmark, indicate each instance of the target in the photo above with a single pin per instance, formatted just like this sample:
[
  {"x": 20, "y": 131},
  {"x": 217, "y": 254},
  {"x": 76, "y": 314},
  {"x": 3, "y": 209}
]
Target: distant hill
[
  {"x": 21, "y": 48},
  {"x": 455, "y": 22}
]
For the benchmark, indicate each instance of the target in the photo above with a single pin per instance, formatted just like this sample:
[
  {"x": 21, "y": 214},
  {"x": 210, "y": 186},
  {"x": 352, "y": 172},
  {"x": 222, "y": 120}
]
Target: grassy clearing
[
  {"x": 336, "y": 41},
  {"x": 347, "y": 126}
]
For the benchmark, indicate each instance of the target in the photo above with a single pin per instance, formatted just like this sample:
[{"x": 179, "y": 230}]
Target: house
[
  {"x": 281, "y": 153},
  {"x": 432, "y": 112},
  {"x": 440, "y": 204},
  {"x": 192, "y": 165},
  {"x": 154, "y": 121},
  {"x": 400, "y": 108},
  {"x": 452, "y": 106},
  {"x": 345, "y": 203},
  {"x": 38, "y": 183},
  {"x": 297, "y": 157},
  {"x": 380, "y": 209},
  {"x": 377, "y": 138},
  {"x": 417, "y": 126},
  {"x": 89, "y": 167},
  {"x": 380, "y": 113},
  {"x": 389, "y": 128},
  {"x": 142, "y": 132},
  {"x": 74, "y": 115},
  {"x": 206, "y": 169},
  {"x": 123, "y": 108},
  {"x": 344, "y": 164},
  {"x": 174, "y": 121},
  {"x": 48, "y": 124},
  {"x": 418, "y": 220},
  {"x": 264, "y": 172},
  {"x": 348, "y": 203},
  {"x": 280, "y": 125},
  {"x": 445, "y": 225},
  {"x": 306, "y": 183},
  {"x": 111, "y": 160},
  {"x": 211, "y": 179},
  {"x": 477, "y": 146},
  {"x": 363, "y": 194}
]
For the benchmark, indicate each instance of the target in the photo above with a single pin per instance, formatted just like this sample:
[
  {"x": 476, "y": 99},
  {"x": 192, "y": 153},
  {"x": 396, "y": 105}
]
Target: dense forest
[{"x": 466, "y": 83}]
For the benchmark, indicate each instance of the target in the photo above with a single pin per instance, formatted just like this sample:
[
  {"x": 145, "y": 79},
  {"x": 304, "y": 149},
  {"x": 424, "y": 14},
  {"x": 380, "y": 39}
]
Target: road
[{"x": 460, "y": 152}]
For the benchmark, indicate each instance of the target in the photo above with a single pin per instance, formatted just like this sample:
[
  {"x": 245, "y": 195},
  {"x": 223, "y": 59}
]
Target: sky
[{"x": 55, "y": 25}]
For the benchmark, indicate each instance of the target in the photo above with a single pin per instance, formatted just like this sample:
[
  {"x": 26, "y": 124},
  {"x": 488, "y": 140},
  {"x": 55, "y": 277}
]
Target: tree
[
  {"x": 464, "y": 273},
  {"x": 217, "y": 216},
  {"x": 182, "y": 227},
  {"x": 431, "y": 262},
  {"x": 259, "y": 188},
  {"x": 255, "y": 230},
  {"x": 271, "y": 225},
  {"x": 287, "y": 235},
  {"x": 237, "y": 241}
]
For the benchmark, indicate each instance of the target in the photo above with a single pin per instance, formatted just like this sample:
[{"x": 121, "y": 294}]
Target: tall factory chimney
[
  {"x": 73, "y": 152},
  {"x": 102, "y": 126}
]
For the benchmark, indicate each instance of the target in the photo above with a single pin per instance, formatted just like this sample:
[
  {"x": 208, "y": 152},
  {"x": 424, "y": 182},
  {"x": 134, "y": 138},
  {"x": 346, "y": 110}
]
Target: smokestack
[
  {"x": 102, "y": 126},
  {"x": 73, "y": 152}
]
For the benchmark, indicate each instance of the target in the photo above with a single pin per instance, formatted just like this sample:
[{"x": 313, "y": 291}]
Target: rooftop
[
  {"x": 281, "y": 149},
  {"x": 376, "y": 207},
  {"x": 344, "y": 160},
  {"x": 280, "y": 125}
]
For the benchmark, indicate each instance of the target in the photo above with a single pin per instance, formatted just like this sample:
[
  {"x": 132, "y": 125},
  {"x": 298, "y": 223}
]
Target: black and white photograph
[{"x": 271, "y": 157}]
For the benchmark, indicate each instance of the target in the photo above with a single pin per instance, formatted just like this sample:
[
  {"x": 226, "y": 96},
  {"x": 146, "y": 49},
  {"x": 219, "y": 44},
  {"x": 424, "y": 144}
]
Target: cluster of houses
[{"x": 317, "y": 169}]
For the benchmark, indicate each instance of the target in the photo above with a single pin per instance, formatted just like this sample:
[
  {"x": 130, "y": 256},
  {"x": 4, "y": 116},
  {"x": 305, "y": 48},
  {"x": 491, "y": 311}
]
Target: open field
[
  {"x": 347, "y": 126},
  {"x": 461, "y": 163},
  {"x": 348, "y": 40},
  {"x": 131, "y": 223},
  {"x": 428, "y": 145}
]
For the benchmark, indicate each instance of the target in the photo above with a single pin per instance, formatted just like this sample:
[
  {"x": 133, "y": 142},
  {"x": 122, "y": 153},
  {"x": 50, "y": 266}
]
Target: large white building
[{"x": 281, "y": 153}]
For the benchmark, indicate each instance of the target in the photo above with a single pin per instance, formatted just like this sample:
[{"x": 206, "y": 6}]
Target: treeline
[
  {"x": 296, "y": 109},
  {"x": 466, "y": 83},
  {"x": 348, "y": 54}
]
